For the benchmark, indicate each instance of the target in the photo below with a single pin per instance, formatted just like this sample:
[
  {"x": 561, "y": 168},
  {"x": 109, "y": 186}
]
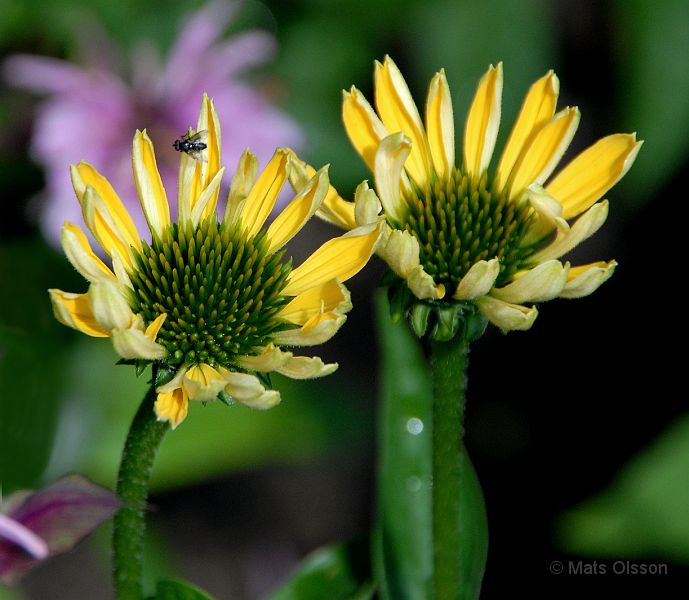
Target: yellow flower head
[
  {"x": 464, "y": 239},
  {"x": 210, "y": 301}
]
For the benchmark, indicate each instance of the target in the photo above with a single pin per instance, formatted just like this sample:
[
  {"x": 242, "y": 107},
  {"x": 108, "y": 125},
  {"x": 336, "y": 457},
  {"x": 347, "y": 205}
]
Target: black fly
[{"x": 193, "y": 144}]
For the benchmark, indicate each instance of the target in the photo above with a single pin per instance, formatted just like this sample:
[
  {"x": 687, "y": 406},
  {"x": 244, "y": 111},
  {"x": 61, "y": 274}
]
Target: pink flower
[{"x": 92, "y": 111}]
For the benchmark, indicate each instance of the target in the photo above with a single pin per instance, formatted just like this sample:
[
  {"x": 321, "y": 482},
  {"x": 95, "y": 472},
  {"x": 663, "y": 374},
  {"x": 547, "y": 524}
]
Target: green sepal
[
  {"x": 163, "y": 374},
  {"x": 419, "y": 315},
  {"x": 170, "y": 589},
  {"x": 225, "y": 398},
  {"x": 400, "y": 299},
  {"x": 448, "y": 321},
  {"x": 339, "y": 572},
  {"x": 475, "y": 324}
]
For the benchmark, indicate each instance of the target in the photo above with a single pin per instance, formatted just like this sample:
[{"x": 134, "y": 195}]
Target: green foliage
[{"x": 170, "y": 589}]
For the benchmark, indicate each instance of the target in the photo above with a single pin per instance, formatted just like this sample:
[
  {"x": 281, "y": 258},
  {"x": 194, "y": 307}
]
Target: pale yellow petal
[
  {"x": 306, "y": 367},
  {"x": 109, "y": 305},
  {"x": 440, "y": 125},
  {"x": 74, "y": 310},
  {"x": 539, "y": 160},
  {"x": 208, "y": 120},
  {"x": 149, "y": 184},
  {"x": 242, "y": 182},
  {"x": 332, "y": 296},
  {"x": 586, "y": 279},
  {"x": 188, "y": 184},
  {"x": 367, "y": 207},
  {"x": 248, "y": 390},
  {"x": 133, "y": 343},
  {"x": 537, "y": 109},
  {"x": 203, "y": 382},
  {"x": 479, "y": 280},
  {"x": 398, "y": 112},
  {"x": 295, "y": 215},
  {"x": 317, "y": 330},
  {"x": 400, "y": 250},
  {"x": 543, "y": 282},
  {"x": 389, "y": 163},
  {"x": 584, "y": 180},
  {"x": 422, "y": 285},
  {"x": 339, "y": 258},
  {"x": 83, "y": 259},
  {"x": 207, "y": 201},
  {"x": 172, "y": 406},
  {"x": 85, "y": 175},
  {"x": 334, "y": 209},
  {"x": 271, "y": 359},
  {"x": 364, "y": 129},
  {"x": 154, "y": 326},
  {"x": 509, "y": 317},
  {"x": 261, "y": 199},
  {"x": 483, "y": 121},
  {"x": 175, "y": 383}
]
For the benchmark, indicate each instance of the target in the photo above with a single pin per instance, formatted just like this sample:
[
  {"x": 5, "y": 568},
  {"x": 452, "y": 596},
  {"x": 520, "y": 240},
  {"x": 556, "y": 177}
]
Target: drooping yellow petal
[
  {"x": 317, "y": 330},
  {"x": 398, "y": 112},
  {"x": 591, "y": 174},
  {"x": 537, "y": 109},
  {"x": 539, "y": 160},
  {"x": 133, "y": 343},
  {"x": 203, "y": 382},
  {"x": 440, "y": 125},
  {"x": 400, "y": 250},
  {"x": 109, "y": 306},
  {"x": 295, "y": 215},
  {"x": 84, "y": 175},
  {"x": 334, "y": 209},
  {"x": 478, "y": 281},
  {"x": 543, "y": 282},
  {"x": 586, "y": 279},
  {"x": 248, "y": 390},
  {"x": 172, "y": 406},
  {"x": 390, "y": 157},
  {"x": 339, "y": 258},
  {"x": 74, "y": 310},
  {"x": 423, "y": 286},
  {"x": 261, "y": 199},
  {"x": 367, "y": 207},
  {"x": 242, "y": 182},
  {"x": 83, "y": 259},
  {"x": 271, "y": 359},
  {"x": 332, "y": 296},
  {"x": 364, "y": 129},
  {"x": 509, "y": 317},
  {"x": 149, "y": 185},
  {"x": 483, "y": 121},
  {"x": 306, "y": 367}
]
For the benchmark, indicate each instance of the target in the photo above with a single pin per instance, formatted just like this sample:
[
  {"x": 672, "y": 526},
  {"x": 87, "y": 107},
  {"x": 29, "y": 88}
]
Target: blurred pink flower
[{"x": 94, "y": 112}]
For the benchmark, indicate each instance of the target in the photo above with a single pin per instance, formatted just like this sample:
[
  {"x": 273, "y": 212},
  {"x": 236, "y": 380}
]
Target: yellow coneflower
[
  {"x": 461, "y": 237},
  {"x": 210, "y": 301}
]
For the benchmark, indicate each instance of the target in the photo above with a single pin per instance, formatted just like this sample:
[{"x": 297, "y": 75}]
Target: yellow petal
[
  {"x": 539, "y": 160},
  {"x": 172, "y": 406},
  {"x": 149, "y": 184},
  {"x": 242, "y": 182},
  {"x": 479, "y": 280},
  {"x": 74, "y": 310},
  {"x": 584, "y": 180},
  {"x": 389, "y": 162},
  {"x": 306, "y": 367},
  {"x": 133, "y": 343},
  {"x": 334, "y": 209},
  {"x": 295, "y": 215},
  {"x": 154, "y": 326},
  {"x": 109, "y": 306},
  {"x": 248, "y": 390},
  {"x": 207, "y": 200},
  {"x": 84, "y": 175},
  {"x": 440, "y": 125},
  {"x": 548, "y": 213},
  {"x": 586, "y": 279},
  {"x": 332, "y": 296},
  {"x": 364, "y": 129},
  {"x": 188, "y": 184},
  {"x": 317, "y": 330},
  {"x": 422, "y": 285},
  {"x": 537, "y": 109},
  {"x": 339, "y": 258},
  {"x": 543, "y": 282},
  {"x": 367, "y": 207},
  {"x": 398, "y": 112},
  {"x": 400, "y": 250},
  {"x": 208, "y": 120},
  {"x": 509, "y": 317},
  {"x": 261, "y": 199},
  {"x": 203, "y": 382},
  {"x": 271, "y": 359},
  {"x": 83, "y": 259},
  {"x": 483, "y": 121}
]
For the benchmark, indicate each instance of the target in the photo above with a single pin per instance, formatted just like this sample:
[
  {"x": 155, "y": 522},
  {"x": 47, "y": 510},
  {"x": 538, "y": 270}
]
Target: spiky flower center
[
  {"x": 459, "y": 221},
  {"x": 219, "y": 289}
]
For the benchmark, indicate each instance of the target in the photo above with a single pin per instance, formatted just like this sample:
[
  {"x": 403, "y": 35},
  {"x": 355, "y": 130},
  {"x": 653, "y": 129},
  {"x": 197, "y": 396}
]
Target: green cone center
[
  {"x": 219, "y": 289},
  {"x": 459, "y": 221}
]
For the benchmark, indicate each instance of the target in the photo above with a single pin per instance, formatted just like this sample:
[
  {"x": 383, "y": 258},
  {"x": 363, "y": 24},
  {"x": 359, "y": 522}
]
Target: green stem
[
  {"x": 449, "y": 363},
  {"x": 144, "y": 437}
]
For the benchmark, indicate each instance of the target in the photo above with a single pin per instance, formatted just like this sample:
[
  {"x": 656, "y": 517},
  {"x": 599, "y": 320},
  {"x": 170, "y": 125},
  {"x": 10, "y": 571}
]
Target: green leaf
[
  {"x": 404, "y": 544},
  {"x": 337, "y": 573},
  {"x": 170, "y": 589}
]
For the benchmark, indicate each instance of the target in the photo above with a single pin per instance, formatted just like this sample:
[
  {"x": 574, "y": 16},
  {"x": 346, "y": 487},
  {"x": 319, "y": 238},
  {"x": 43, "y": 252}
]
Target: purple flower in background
[
  {"x": 37, "y": 525},
  {"x": 93, "y": 111}
]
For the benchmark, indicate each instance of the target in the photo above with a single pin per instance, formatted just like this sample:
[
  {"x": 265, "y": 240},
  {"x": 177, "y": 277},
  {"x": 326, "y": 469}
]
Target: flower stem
[
  {"x": 143, "y": 440},
  {"x": 448, "y": 363}
]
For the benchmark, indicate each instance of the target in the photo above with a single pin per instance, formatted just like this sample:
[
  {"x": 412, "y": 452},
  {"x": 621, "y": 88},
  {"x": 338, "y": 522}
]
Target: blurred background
[{"x": 579, "y": 429}]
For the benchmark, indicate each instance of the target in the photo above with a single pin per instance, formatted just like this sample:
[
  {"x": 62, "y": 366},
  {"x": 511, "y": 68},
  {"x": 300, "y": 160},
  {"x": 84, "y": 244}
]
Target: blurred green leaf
[
  {"x": 336, "y": 573},
  {"x": 169, "y": 589},
  {"x": 654, "y": 84},
  {"x": 404, "y": 540},
  {"x": 644, "y": 511}
]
